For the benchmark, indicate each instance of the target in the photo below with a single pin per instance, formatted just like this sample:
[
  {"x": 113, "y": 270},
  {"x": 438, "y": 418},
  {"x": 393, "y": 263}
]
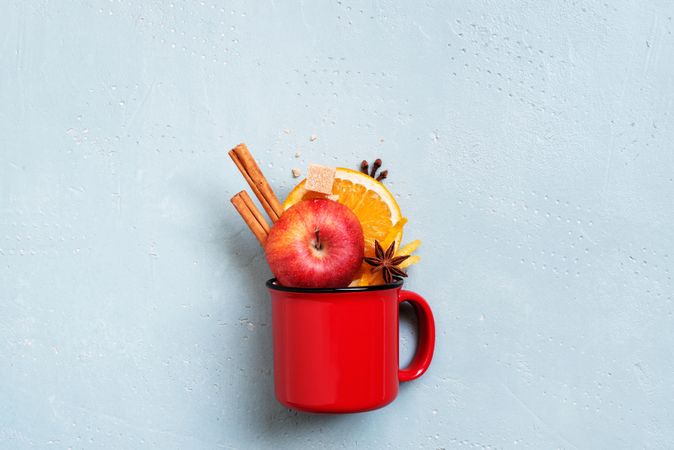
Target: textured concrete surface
[{"x": 530, "y": 144}]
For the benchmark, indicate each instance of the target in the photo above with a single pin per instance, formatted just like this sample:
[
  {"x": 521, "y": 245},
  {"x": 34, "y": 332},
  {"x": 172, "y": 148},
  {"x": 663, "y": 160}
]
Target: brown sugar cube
[
  {"x": 320, "y": 178},
  {"x": 296, "y": 173}
]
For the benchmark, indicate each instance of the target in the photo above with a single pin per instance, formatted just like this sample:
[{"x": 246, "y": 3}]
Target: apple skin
[{"x": 297, "y": 259}]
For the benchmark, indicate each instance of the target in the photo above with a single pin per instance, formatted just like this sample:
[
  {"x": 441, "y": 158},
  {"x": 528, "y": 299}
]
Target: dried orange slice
[
  {"x": 365, "y": 276},
  {"x": 373, "y": 204}
]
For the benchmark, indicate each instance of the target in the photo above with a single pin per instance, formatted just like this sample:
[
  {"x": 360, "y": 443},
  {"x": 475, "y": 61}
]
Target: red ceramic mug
[{"x": 336, "y": 350}]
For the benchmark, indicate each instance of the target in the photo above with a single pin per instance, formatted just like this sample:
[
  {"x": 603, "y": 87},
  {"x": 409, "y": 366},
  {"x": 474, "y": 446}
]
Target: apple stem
[{"x": 317, "y": 244}]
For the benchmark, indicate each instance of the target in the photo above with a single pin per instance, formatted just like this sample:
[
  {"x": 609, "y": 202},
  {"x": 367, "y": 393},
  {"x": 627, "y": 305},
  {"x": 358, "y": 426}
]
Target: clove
[
  {"x": 375, "y": 166},
  {"x": 364, "y": 166}
]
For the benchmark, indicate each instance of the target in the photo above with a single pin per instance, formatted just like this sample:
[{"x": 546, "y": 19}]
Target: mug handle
[{"x": 426, "y": 345}]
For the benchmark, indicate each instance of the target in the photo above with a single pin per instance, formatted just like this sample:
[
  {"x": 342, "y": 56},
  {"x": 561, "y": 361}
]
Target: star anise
[{"x": 386, "y": 261}]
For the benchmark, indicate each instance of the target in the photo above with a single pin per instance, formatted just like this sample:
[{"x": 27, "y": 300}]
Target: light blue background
[{"x": 529, "y": 143}]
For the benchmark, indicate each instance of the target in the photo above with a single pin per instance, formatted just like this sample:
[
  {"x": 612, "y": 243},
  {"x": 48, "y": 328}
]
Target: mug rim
[{"x": 272, "y": 283}]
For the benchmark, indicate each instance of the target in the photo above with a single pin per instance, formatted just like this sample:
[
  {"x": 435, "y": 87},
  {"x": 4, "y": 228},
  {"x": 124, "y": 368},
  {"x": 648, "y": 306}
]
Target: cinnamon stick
[
  {"x": 258, "y": 183},
  {"x": 250, "y": 216},
  {"x": 256, "y": 212}
]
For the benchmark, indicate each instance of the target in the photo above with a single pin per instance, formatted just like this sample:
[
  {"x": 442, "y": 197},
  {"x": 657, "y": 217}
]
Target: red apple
[{"x": 316, "y": 243}]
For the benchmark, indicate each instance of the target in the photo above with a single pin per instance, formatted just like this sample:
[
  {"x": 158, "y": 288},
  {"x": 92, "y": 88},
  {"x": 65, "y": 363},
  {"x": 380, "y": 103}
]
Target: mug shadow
[{"x": 265, "y": 415}]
